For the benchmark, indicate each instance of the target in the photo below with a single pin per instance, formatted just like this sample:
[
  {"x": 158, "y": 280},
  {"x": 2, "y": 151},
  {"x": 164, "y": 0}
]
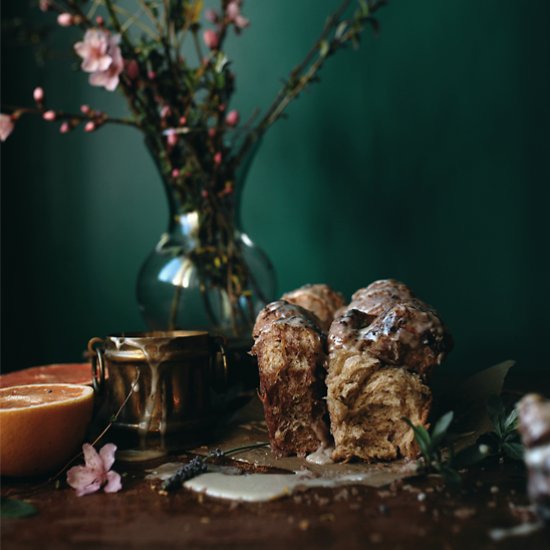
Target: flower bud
[
  {"x": 211, "y": 132},
  {"x": 175, "y": 173},
  {"x": 211, "y": 39},
  {"x": 85, "y": 109},
  {"x": 65, "y": 128},
  {"x": 38, "y": 95},
  {"x": 65, "y": 19},
  {"x": 218, "y": 158},
  {"x": 49, "y": 116},
  {"x": 172, "y": 139},
  {"x": 90, "y": 126},
  {"x": 232, "y": 118},
  {"x": 132, "y": 69}
]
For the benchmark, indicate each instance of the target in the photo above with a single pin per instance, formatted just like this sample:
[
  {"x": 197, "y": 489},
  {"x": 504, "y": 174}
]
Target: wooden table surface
[{"x": 414, "y": 513}]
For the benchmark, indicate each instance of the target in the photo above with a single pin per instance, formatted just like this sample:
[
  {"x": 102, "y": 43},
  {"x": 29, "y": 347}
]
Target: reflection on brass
[{"x": 175, "y": 382}]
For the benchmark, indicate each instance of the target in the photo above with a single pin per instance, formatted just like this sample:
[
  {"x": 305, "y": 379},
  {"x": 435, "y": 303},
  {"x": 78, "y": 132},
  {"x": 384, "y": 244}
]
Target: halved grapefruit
[{"x": 42, "y": 426}]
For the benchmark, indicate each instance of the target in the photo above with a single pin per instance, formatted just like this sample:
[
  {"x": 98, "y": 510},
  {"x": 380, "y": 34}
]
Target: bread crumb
[{"x": 303, "y": 525}]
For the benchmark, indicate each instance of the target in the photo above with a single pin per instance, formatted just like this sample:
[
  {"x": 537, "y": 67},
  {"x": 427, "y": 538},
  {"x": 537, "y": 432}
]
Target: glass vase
[{"x": 205, "y": 273}]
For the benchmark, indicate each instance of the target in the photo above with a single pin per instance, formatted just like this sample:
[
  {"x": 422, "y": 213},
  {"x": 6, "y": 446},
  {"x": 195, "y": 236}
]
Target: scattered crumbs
[
  {"x": 322, "y": 501},
  {"x": 383, "y": 509},
  {"x": 234, "y": 505},
  {"x": 435, "y": 514},
  {"x": 290, "y": 519},
  {"x": 354, "y": 506},
  {"x": 297, "y": 499},
  {"x": 423, "y": 509},
  {"x": 303, "y": 525},
  {"x": 200, "y": 498},
  {"x": 455, "y": 529},
  {"x": 494, "y": 489},
  {"x": 327, "y": 517},
  {"x": 479, "y": 483},
  {"x": 429, "y": 489},
  {"x": 375, "y": 538},
  {"x": 421, "y": 532},
  {"x": 525, "y": 514},
  {"x": 421, "y": 497},
  {"x": 410, "y": 488},
  {"x": 491, "y": 504},
  {"x": 384, "y": 494},
  {"x": 57, "y": 484},
  {"x": 341, "y": 495},
  {"x": 354, "y": 491},
  {"x": 464, "y": 513},
  {"x": 205, "y": 519}
]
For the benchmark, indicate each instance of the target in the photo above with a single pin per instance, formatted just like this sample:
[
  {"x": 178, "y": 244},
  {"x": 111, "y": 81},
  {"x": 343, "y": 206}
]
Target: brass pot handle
[
  {"x": 98, "y": 365},
  {"x": 221, "y": 366}
]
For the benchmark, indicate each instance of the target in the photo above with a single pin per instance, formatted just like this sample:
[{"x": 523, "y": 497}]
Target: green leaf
[
  {"x": 439, "y": 431},
  {"x": 364, "y": 6},
  {"x": 513, "y": 450},
  {"x": 422, "y": 437},
  {"x": 324, "y": 48},
  {"x": 13, "y": 508},
  {"x": 511, "y": 422},
  {"x": 340, "y": 30}
]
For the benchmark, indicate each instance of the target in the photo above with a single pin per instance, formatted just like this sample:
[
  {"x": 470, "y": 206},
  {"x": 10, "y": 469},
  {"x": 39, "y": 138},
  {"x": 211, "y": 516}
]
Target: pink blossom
[
  {"x": 49, "y": 116},
  {"x": 233, "y": 13},
  {"x": 65, "y": 19},
  {"x": 44, "y": 5},
  {"x": 96, "y": 473},
  {"x": 65, "y": 128},
  {"x": 183, "y": 120},
  {"x": 175, "y": 173},
  {"x": 232, "y": 118},
  {"x": 90, "y": 126},
  {"x": 211, "y": 132},
  {"x": 211, "y": 39},
  {"x": 218, "y": 158},
  {"x": 6, "y": 126},
  {"x": 85, "y": 109},
  {"x": 102, "y": 57},
  {"x": 38, "y": 95},
  {"x": 99, "y": 21}
]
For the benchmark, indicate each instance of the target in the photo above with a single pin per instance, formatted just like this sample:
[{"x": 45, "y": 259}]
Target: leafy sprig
[
  {"x": 437, "y": 450},
  {"x": 432, "y": 444}
]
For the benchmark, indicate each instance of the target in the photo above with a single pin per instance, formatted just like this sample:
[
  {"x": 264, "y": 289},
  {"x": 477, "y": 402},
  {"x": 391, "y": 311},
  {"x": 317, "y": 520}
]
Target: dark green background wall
[{"x": 422, "y": 156}]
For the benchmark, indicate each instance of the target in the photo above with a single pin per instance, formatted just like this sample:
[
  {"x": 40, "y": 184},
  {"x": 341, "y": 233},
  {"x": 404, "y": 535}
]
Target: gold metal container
[{"x": 164, "y": 389}]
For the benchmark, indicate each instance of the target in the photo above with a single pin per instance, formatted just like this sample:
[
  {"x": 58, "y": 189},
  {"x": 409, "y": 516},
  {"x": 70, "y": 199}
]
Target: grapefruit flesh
[{"x": 42, "y": 426}]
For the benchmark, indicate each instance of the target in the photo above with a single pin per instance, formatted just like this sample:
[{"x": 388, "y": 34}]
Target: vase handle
[{"x": 98, "y": 366}]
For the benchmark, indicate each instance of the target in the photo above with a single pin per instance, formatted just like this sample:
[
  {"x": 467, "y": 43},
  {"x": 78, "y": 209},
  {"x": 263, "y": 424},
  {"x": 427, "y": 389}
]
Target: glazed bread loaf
[
  {"x": 381, "y": 351},
  {"x": 290, "y": 348},
  {"x": 319, "y": 299}
]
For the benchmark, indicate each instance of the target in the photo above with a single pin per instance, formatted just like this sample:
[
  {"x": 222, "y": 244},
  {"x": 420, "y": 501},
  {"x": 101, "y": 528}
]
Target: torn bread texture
[
  {"x": 290, "y": 349},
  {"x": 320, "y": 299},
  {"x": 382, "y": 348}
]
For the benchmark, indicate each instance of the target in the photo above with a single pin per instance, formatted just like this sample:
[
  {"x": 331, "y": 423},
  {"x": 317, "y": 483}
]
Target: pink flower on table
[
  {"x": 6, "y": 126},
  {"x": 211, "y": 39},
  {"x": 96, "y": 473},
  {"x": 101, "y": 56}
]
